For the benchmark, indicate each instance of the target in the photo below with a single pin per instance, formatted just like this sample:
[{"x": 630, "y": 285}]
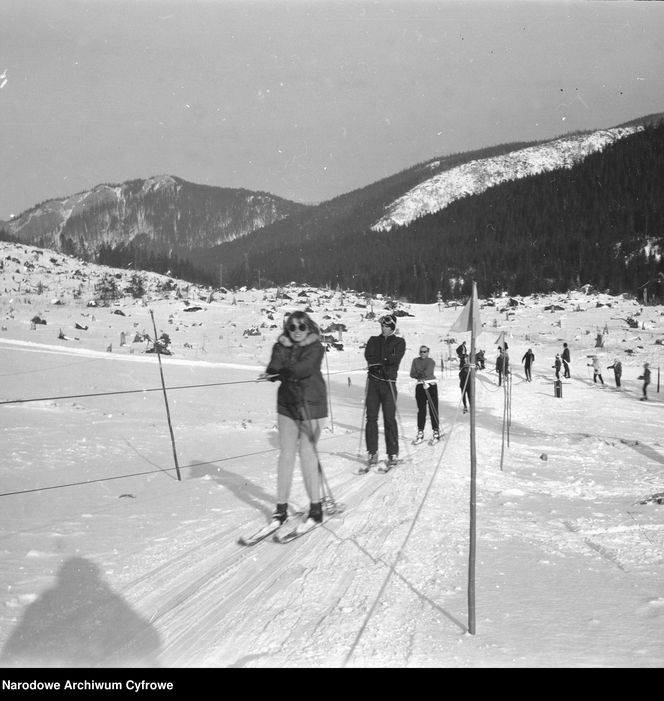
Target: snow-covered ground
[{"x": 109, "y": 560}]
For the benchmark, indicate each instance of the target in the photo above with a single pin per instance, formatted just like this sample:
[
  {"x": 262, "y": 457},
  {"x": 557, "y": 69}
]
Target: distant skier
[
  {"x": 464, "y": 384},
  {"x": 426, "y": 392},
  {"x": 646, "y": 381},
  {"x": 479, "y": 360},
  {"x": 462, "y": 353},
  {"x": 527, "y": 360},
  {"x": 557, "y": 364},
  {"x": 597, "y": 369},
  {"x": 502, "y": 365},
  {"x": 617, "y": 370},
  {"x": 566, "y": 360}
]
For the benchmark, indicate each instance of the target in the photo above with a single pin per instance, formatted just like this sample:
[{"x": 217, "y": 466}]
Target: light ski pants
[{"x": 298, "y": 437}]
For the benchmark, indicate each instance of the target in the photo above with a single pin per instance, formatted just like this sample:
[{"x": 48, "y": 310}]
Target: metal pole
[{"x": 163, "y": 385}]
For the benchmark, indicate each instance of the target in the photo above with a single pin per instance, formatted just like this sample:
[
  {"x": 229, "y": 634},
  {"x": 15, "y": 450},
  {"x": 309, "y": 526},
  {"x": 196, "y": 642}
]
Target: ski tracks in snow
[{"x": 219, "y": 604}]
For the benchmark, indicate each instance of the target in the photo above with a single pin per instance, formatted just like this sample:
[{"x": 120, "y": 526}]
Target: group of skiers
[{"x": 296, "y": 361}]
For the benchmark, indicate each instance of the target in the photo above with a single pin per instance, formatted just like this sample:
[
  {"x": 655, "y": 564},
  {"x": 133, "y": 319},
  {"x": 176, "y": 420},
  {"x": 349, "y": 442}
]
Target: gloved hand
[{"x": 286, "y": 375}]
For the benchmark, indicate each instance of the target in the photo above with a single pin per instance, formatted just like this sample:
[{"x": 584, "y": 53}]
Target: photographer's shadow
[{"x": 81, "y": 622}]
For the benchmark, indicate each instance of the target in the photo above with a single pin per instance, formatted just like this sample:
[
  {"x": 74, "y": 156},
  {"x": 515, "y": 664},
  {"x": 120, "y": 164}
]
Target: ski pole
[
  {"x": 396, "y": 410},
  {"x": 332, "y": 507},
  {"x": 364, "y": 412}
]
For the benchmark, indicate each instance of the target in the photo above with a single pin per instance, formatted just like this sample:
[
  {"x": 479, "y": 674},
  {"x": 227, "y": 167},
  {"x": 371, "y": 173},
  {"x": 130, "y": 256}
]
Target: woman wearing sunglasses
[{"x": 301, "y": 404}]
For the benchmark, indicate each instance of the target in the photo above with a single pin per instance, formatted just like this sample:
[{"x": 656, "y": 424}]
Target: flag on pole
[
  {"x": 470, "y": 311},
  {"x": 500, "y": 341}
]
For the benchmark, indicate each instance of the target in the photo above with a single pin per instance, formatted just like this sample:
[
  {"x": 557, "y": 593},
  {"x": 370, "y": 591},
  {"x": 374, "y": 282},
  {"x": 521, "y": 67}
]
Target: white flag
[{"x": 469, "y": 319}]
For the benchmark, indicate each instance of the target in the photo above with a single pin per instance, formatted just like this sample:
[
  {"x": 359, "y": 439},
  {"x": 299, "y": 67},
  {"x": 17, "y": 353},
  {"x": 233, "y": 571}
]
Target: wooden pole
[
  {"x": 473, "y": 475},
  {"x": 163, "y": 385}
]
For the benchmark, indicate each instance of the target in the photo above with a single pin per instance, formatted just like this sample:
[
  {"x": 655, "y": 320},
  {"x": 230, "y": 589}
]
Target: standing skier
[
  {"x": 557, "y": 363},
  {"x": 597, "y": 369},
  {"x": 301, "y": 404},
  {"x": 383, "y": 354},
  {"x": 566, "y": 360},
  {"x": 617, "y": 370},
  {"x": 527, "y": 360},
  {"x": 426, "y": 393},
  {"x": 502, "y": 365},
  {"x": 464, "y": 384},
  {"x": 646, "y": 381},
  {"x": 462, "y": 353}
]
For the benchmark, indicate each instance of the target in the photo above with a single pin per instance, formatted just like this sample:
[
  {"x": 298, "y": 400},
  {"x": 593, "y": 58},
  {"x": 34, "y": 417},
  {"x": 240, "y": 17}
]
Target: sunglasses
[
  {"x": 424, "y": 351},
  {"x": 297, "y": 327}
]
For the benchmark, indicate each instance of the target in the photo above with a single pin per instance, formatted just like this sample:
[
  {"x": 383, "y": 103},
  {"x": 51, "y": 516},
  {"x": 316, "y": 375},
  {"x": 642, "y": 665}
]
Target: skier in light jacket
[
  {"x": 597, "y": 369},
  {"x": 426, "y": 392}
]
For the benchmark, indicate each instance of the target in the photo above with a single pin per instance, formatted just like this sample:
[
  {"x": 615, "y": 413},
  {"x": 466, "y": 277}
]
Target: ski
[
  {"x": 418, "y": 440},
  {"x": 292, "y": 535},
  {"x": 434, "y": 441},
  {"x": 260, "y": 534}
]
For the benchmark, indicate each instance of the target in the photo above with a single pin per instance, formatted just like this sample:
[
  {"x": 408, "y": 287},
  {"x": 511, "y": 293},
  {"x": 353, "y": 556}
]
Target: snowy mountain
[
  {"x": 162, "y": 213},
  {"x": 479, "y": 175},
  {"x": 496, "y": 215}
]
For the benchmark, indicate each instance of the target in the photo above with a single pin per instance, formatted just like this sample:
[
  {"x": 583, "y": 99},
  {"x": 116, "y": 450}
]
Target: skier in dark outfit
[
  {"x": 557, "y": 365},
  {"x": 527, "y": 360},
  {"x": 462, "y": 353},
  {"x": 383, "y": 354},
  {"x": 464, "y": 384},
  {"x": 646, "y": 381},
  {"x": 566, "y": 360},
  {"x": 301, "y": 403}
]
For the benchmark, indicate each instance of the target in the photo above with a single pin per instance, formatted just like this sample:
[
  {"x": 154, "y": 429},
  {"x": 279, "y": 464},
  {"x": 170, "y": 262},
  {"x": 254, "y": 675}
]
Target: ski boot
[
  {"x": 314, "y": 518},
  {"x": 372, "y": 461},
  {"x": 391, "y": 462}
]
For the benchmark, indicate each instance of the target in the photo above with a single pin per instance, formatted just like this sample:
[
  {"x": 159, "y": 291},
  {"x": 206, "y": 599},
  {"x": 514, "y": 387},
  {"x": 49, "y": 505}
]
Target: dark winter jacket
[
  {"x": 383, "y": 355},
  {"x": 566, "y": 355},
  {"x": 464, "y": 380},
  {"x": 302, "y": 393},
  {"x": 528, "y": 358},
  {"x": 617, "y": 368},
  {"x": 423, "y": 369},
  {"x": 502, "y": 363}
]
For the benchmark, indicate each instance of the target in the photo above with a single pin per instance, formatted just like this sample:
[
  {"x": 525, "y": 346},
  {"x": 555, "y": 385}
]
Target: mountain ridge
[{"x": 240, "y": 234}]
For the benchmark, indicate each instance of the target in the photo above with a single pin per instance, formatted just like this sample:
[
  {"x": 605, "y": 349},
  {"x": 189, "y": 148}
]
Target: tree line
[{"x": 599, "y": 223}]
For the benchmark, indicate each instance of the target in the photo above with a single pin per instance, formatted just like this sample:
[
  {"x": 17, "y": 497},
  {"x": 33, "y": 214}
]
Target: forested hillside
[{"x": 600, "y": 223}]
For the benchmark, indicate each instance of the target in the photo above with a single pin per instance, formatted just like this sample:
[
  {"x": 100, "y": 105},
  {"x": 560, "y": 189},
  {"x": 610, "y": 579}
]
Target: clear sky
[{"x": 305, "y": 99}]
